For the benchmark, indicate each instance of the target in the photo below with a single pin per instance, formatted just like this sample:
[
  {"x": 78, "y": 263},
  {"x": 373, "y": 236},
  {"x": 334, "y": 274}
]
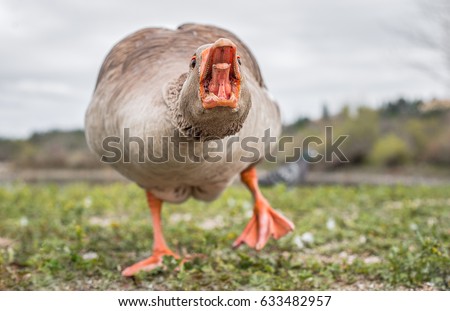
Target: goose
[{"x": 162, "y": 98}]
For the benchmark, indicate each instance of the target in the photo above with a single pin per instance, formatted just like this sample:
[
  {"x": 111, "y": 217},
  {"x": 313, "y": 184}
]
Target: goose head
[{"x": 215, "y": 98}]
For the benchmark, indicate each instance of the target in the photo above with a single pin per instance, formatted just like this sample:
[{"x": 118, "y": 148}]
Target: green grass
[{"x": 81, "y": 236}]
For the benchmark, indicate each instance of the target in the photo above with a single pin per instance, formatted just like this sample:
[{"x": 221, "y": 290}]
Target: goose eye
[
  {"x": 239, "y": 60},
  {"x": 193, "y": 62}
]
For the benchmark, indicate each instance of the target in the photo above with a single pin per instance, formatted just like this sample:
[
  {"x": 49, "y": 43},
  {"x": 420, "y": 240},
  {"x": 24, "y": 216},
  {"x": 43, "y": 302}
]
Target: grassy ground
[{"x": 80, "y": 236}]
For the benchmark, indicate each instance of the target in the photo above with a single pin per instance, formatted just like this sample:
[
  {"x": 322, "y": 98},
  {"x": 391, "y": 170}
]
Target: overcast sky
[{"x": 311, "y": 52}]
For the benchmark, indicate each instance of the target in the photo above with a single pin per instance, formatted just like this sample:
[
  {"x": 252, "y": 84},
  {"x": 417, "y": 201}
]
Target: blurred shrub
[
  {"x": 417, "y": 131},
  {"x": 401, "y": 107},
  {"x": 55, "y": 158},
  {"x": 438, "y": 150},
  {"x": 397, "y": 133},
  {"x": 56, "y": 149},
  {"x": 9, "y": 149},
  {"x": 422, "y": 132},
  {"x": 362, "y": 131},
  {"x": 390, "y": 150}
]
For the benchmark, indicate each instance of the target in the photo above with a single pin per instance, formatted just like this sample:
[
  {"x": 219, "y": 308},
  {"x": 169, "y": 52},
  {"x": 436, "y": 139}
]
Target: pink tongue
[{"x": 220, "y": 82}]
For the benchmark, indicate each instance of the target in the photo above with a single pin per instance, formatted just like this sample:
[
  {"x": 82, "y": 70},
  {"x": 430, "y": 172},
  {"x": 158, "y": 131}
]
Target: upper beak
[
  {"x": 208, "y": 55},
  {"x": 220, "y": 75}
]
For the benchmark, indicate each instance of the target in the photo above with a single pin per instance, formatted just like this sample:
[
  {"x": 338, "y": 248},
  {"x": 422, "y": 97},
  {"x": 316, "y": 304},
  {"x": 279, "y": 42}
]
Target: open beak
[{"x": 220, "y": 77}]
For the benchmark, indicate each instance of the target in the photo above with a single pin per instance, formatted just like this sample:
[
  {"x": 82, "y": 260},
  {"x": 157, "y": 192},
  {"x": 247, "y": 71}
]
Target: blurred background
[{"x": 378, "y": 71}]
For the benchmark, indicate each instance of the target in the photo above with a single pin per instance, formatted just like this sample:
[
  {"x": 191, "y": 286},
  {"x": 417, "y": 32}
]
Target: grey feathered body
[{"x": 138, "y": 88}]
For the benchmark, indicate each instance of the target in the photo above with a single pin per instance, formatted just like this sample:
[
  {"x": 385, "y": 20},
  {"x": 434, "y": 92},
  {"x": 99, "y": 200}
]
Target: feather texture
[{"x": 137, "y": 91}]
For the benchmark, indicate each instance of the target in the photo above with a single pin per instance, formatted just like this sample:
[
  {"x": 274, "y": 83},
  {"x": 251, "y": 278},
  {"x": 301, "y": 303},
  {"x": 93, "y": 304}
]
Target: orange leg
[
  {"x": 265, "y": 221},
  {"x": 160, "y": 248}
]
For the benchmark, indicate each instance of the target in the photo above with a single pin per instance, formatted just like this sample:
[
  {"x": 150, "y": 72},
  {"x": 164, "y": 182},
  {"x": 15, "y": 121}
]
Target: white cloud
[{"x": 40, "y": 87}]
